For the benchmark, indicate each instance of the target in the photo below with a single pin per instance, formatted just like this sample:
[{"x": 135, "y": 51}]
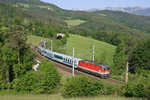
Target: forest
[{"x": 17, "y": 57}]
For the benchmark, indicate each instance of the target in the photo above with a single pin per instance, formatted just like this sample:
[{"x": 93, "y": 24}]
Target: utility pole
[
  {"x": 44, "y": 44},
  {"x": 73, "y": 64},
  {"x": 127, "y": 66},
  {"x": 51, "y": 45},
  {"x": 66, "y": 47},
  {"x": 93, "y": 53}
]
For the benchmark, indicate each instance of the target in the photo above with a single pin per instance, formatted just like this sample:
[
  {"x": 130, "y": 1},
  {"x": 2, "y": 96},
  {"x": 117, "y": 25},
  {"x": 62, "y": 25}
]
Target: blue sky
[{"x": 84, "y": 4}]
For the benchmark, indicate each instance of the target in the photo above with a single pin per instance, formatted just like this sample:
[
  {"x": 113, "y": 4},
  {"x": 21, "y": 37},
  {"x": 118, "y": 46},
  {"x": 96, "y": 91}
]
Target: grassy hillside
[{"x": 84, "y": 49}]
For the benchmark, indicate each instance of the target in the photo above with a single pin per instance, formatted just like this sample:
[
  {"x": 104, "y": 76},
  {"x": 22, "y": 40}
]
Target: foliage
[
  {"x": 45, "y": 80},
  {"x": 140, "y": 59},
  {"x": 138, "y": 86},
  {"x": 8, "y": 60},
  {"x": 120, "y": 59},
  {"x": 84, "y": 86}
]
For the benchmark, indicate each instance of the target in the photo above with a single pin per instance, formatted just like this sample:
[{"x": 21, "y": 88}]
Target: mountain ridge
[{"x": 134, "y": 10}]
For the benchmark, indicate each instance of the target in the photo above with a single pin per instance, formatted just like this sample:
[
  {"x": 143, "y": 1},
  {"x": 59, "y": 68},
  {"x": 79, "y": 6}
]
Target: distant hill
[
  {"x": 133, "y": 10},
  {"x": 131, "y": 20},
  {"x": 144, "y": 12},
  {"x": 92, "y": 22},
  {"x": 45, "y": 11}
]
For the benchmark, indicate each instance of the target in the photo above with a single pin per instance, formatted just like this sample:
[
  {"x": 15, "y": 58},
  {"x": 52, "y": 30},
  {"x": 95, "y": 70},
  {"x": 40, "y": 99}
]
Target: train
[{"x": 98, "y": 69}]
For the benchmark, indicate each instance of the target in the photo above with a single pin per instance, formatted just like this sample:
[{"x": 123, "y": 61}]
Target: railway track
[{"x": 67, "y": 70}]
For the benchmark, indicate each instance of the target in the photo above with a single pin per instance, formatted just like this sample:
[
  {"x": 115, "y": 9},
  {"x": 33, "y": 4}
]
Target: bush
[
  {"x": 45, "y": 80},
  {"x": 137, "y": 87},
  {"x": 84, "y": 86}
]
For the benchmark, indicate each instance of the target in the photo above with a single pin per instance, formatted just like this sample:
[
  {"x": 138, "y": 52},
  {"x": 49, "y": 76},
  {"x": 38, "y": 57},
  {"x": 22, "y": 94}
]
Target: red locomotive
[{"x": 98, "y": 69}]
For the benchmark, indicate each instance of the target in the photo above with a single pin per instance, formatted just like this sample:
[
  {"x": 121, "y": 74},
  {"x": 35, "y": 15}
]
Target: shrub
[
  {"x": 45, "y": 80},
  {"x": 84, "y": 86},
  {"x": 137, "y": 87}
]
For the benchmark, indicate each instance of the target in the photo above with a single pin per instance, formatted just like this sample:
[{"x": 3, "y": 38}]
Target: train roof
[
  {"x": 63, "y": 55},
  {"x": 66, "y": 56},
  {"x": 95, "y": 63}
]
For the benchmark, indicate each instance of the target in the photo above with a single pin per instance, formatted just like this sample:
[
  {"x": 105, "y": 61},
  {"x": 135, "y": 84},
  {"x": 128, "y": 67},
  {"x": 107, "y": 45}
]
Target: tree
[
  {"x": 8, "y": 59},
  {"x": 140, "y": 59},
  {"x": 16, "y": 39},
  {"x": 120, "y": 58}
]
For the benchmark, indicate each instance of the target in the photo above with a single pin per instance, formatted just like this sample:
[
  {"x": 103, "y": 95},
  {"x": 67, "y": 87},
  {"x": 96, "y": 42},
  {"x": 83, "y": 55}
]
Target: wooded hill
[
  {"x": 94, "y": 22},
  {"x": 131, "y": 20}
]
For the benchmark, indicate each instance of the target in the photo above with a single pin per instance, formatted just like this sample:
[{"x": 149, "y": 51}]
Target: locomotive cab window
[
  {"x": 104, "y": 69},
  {"x": 108, "y": 68}
]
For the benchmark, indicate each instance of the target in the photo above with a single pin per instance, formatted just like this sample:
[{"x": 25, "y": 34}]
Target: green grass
[
  {"x": 74, "y": 22},
  {"x": 58, "y": 97},
  {"x": 46, "y": 7},
  {"x": 103, "y": 15},
  {"x": 35, "y": 40},
  {"x": 3, "y": 28},
  {"x": 84, "y": 46}
]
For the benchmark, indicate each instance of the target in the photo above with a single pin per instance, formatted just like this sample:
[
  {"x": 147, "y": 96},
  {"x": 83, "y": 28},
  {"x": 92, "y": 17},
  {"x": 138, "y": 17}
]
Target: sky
[{"x": 85, "y": 4}]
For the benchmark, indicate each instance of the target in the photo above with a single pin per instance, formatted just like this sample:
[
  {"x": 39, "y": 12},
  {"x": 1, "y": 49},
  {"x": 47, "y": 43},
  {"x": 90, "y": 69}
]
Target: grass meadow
[
  {"x": 58, "y": 97},
  {"x": 74, "y": 22},
  {"x": 84, "y": 49}
]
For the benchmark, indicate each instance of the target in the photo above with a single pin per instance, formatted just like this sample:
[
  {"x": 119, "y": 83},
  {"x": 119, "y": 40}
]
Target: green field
[
  {"x": 46, "y": 7},
  {"x": 35, "y": 40},
  {"x": 103, "y": 15},
  {"x": 84, "y": 49},
  {"x": 22, "y": 4},
  {"x": 74, "y": 22},
  {"x": 59, "y": 97}
]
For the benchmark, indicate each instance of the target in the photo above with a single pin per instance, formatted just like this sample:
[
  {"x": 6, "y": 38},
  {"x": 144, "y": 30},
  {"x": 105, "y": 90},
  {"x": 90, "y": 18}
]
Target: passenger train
[{"x": 98, "y": 69}]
